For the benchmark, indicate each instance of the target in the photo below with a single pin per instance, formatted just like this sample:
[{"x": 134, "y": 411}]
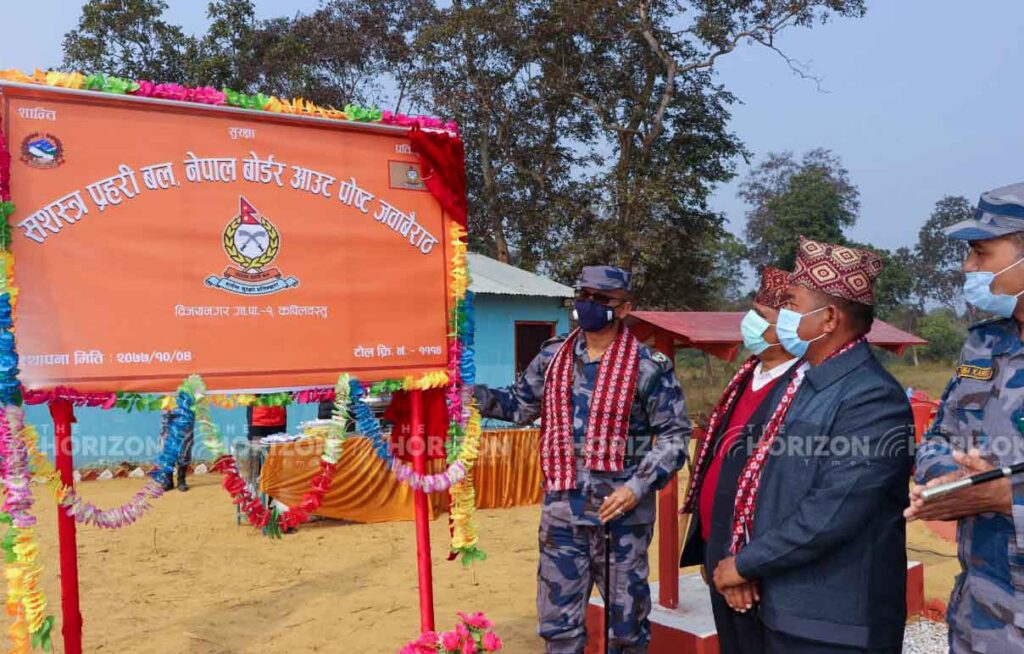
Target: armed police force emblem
[
  {"x": 253, "y": 242},
  {"x": 41, "y": 150}
]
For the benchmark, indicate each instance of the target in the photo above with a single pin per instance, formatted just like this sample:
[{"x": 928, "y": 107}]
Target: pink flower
[
  {"x": 461, "y": 630},
  {"x": 451, "y": 640},
  {"x": 491, "y": 642},
  {"x": 469, "y": 647},
  {"x": 145, "y": 88},
  {"x": 206, "y": 95},
  {"x": 477, "y": 620},
  {"x": 170, "y": 92},
  {"x": 427, "y": 639},
  {"x": 425, "y": 644}
]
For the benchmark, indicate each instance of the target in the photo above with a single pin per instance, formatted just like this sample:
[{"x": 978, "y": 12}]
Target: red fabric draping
[
  {"x": 443, "y": 160},
  {"x": 435, "y": 419},
  {"x": 268, "y": 416}
]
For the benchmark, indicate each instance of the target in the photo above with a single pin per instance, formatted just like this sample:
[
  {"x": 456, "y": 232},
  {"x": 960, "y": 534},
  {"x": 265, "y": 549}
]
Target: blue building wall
[
  {"x": 110, "y": 437},
  {"x": 496, "y": 317}
]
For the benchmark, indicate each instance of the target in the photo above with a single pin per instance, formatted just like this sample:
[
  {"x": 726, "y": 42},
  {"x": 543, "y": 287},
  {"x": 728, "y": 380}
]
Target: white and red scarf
[
  {"x": 722, "y": 408},
  {"x": 750, "y": 479},
  {"x": 608, "y": 423}
]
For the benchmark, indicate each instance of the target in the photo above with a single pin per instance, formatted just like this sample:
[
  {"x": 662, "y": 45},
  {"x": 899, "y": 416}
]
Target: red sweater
[{"x": 746, "y": 404}]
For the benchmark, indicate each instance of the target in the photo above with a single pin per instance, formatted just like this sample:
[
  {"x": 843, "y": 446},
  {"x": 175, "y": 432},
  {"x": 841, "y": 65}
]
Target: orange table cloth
[{"x": 506, "y": 474}]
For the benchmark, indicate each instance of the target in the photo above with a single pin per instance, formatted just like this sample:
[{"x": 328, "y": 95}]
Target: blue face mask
[
  {"x": 978, "y": 292},
  {"x": 753, "y": 328},
  {"x": 786, "y": 329},
  {"x": 593, "y": 317}
]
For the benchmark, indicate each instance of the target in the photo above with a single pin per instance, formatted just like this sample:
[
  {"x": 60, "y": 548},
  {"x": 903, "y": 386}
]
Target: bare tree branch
[
  {"x": 671, "y": 67},
  {"x": 601, "y": 115},
  {"x": 799, "y": 68}
]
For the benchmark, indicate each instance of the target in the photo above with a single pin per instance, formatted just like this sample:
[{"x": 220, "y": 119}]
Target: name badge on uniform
[{"x": 974, "y": 372}]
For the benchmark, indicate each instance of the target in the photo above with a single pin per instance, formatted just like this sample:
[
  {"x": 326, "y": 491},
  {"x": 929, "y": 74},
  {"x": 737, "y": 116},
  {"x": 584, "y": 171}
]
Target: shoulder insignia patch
[
  {"x": 974, "y": 372},
  {"x": 659, "y": 357}
]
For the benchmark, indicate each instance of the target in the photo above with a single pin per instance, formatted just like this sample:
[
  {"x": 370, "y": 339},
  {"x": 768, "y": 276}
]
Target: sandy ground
[{"x": 187, "y": 579}]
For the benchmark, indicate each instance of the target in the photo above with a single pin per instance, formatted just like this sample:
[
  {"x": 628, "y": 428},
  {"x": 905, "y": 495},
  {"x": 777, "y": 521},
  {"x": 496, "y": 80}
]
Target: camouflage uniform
[
  {"x": 571, "y": 538},
  {"x": 983, "y": 407}
]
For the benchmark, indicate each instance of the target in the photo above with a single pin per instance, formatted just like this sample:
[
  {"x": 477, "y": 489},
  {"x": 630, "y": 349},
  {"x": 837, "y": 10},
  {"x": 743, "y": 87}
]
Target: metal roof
[{"x": 492, "y": 277}]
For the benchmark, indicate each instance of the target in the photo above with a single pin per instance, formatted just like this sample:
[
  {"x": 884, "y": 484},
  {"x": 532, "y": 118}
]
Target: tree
[
  {"x": 945, "y": 335},
  {"x": 345, "y": 51},
  {"x": 813, "y": 198},
  {"x": 128, "y": 38},
  {"x": 640, "y": 73},
  {"x": 727, "y": 276},
  {"x": 895, "y": 284},
  {"x": 226, "y": 54},
  {"x": 595, "y": 131},
  {"x": 937, "y": 257},
  {"x": 480, "y": 66}
]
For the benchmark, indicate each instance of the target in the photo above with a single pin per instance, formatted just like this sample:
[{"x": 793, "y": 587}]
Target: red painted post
[
  {"x": 668, "y": 514},
  {"x": 418, "y": 445},
  {"x": 63, "y": 414}
]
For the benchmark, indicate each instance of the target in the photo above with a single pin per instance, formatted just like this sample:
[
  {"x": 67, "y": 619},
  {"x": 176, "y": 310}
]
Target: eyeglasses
[{"x": 599, "y": 298}]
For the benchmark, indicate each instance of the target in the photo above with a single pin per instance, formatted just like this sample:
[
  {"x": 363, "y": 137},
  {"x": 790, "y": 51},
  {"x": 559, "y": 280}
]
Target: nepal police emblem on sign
[{"x": 251, "y": 241}]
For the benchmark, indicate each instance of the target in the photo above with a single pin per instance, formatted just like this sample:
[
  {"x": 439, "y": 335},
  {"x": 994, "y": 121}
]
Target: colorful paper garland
[{"x": 101, "y": 83}]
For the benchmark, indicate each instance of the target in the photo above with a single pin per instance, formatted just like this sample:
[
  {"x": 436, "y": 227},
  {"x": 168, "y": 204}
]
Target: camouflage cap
[
  {"x": 1000, "y": 212},
  {"x": 605, "y": 278}
]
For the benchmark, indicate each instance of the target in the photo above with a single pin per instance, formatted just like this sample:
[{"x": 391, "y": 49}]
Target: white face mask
[{"x": 753, "y": 328}]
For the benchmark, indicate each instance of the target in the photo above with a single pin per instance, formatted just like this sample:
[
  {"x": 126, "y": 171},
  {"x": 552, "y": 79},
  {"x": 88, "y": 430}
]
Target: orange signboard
[{"x": 153, "y": 241}]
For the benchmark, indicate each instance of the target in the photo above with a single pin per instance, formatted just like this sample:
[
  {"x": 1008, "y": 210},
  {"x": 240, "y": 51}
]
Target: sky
[{"x": 922, "y": 98}]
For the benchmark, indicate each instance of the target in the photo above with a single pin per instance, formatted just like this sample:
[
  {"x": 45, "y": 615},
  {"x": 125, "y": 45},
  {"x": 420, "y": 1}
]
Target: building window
[{"x": 529, "y": 338}]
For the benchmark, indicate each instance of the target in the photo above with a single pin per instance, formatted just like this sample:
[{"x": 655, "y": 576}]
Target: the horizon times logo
[{"x": 93, "y": 448}]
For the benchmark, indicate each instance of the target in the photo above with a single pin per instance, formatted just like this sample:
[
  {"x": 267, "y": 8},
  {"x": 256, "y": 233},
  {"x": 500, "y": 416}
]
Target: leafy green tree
[
  {"x": 480, "y": 64},
  {"x": 895, "y": 284},
  {"x": 813, "y": 197},
  {"x": 945, "y": 334},
  {"x": 640, "y": 74},
  {"x": 128, "y": 38},
  {"x": 937, "y": 257}
]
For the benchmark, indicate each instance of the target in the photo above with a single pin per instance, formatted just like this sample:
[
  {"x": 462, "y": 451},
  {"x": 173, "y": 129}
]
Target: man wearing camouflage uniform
[
  {"x": 614, "y": 430},
  {"x": 979, "y": 426}
]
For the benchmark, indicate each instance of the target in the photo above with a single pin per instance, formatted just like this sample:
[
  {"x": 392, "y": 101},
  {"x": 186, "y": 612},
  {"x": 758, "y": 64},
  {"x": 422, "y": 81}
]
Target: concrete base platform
[{"x": 690, "y": 628}]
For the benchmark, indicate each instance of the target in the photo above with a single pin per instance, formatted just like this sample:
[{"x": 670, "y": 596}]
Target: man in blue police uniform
[
  {"x": 979, "y": 426},
  {"x": 614, "y": 430}
]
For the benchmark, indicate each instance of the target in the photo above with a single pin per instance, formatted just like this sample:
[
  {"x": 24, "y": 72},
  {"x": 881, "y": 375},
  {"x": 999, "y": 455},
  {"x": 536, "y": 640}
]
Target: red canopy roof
[{"x": 718, "y": 332}]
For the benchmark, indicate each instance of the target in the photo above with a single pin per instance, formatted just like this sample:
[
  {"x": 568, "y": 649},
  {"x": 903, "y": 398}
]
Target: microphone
[{"x": 972, "y": 480}]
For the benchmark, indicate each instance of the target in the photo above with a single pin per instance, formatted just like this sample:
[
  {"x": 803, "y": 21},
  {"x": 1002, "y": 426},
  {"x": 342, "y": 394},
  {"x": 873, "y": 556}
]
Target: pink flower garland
[
  {"x": 14, "y": 470},
  {"x": 202, "y": 94},
  {"x": 129, "y": 513},
  {"x": 436, "y": 483}
]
